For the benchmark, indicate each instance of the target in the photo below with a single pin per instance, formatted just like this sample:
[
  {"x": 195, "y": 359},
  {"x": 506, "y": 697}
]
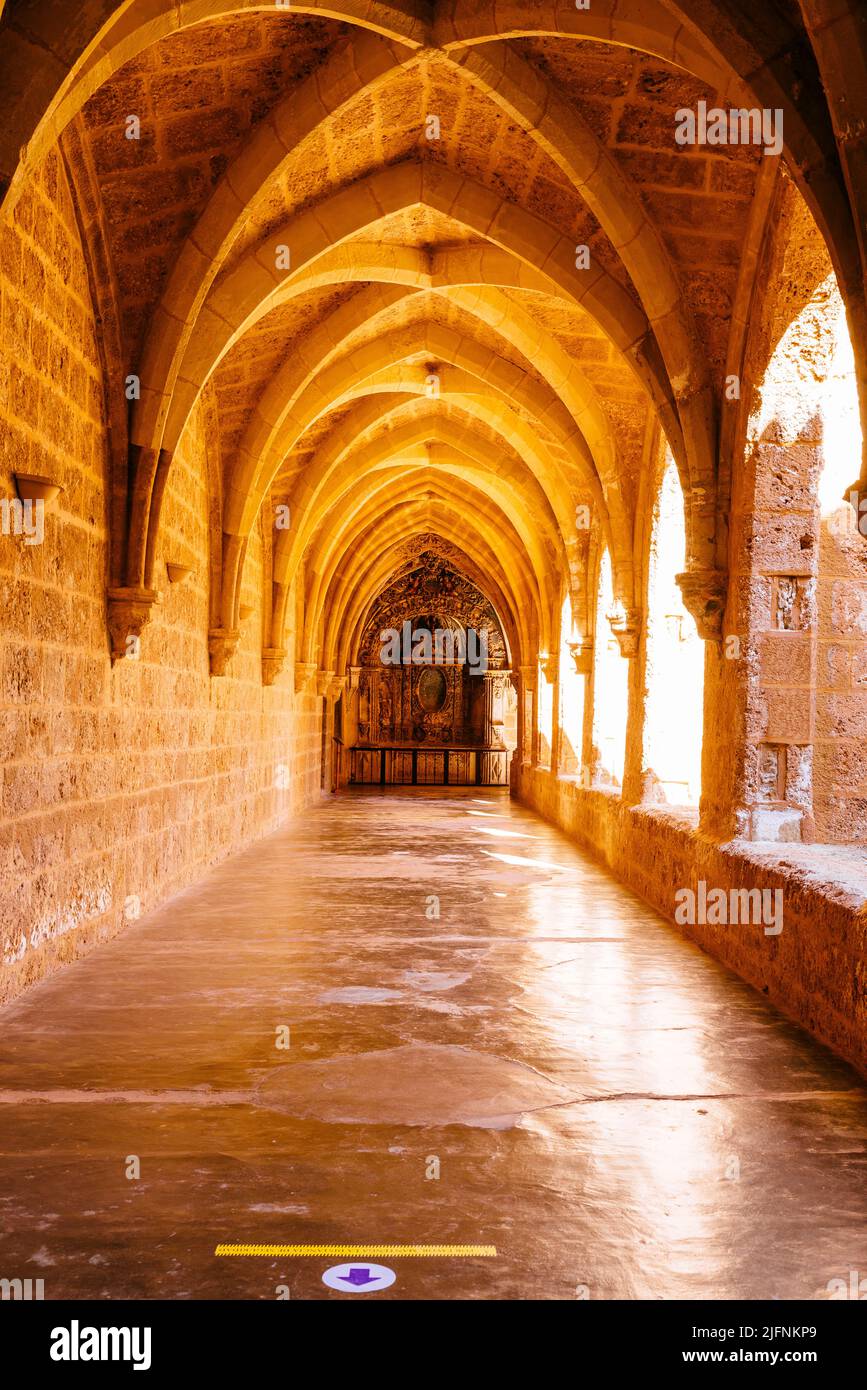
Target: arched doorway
[{"x": 428, "y": 703}]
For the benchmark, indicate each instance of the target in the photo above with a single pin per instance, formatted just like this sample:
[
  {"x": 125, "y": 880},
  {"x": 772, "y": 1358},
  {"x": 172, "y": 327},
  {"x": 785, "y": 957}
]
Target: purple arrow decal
[{"x": 359, "y": 1276}]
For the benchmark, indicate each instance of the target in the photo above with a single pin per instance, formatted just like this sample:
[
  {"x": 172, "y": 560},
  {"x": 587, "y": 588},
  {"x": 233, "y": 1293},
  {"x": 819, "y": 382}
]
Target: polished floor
[{"x": 617, "y": 1114}]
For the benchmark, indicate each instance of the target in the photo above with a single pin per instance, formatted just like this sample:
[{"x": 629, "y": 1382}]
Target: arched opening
[
  {"x": 674, "y": 671},
  {"x": 610, "y": 687},
  {"x": 840, "y": 757},
  {"x": 353, "y": 359},
  {"x": 545, "y": 710},
  {"x": 806, "y": 765},
  {"x": 571, "y": 685}
]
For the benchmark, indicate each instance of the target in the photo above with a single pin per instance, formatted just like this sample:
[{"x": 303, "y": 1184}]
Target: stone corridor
[
  {"x": 606, "y": 1104},
  {"x": 433, "y": 646}
]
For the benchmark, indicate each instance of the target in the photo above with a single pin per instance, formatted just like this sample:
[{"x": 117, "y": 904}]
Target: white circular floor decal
[{"x": 360, "y": 1277}]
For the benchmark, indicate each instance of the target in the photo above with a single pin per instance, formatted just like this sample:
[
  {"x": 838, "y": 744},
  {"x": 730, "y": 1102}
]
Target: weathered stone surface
[
  {"x": 418, "y": 1084},
  {"x": 576, "y": 1067},
  {"x": 439, "y": 311}
]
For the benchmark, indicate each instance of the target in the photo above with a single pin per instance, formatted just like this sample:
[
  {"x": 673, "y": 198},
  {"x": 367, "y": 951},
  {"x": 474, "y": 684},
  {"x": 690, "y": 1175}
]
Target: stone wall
[
  {"x": 120, "y": 784},
  {"x": 841, "y": 724},
  {"x": 798, "y": 564}
]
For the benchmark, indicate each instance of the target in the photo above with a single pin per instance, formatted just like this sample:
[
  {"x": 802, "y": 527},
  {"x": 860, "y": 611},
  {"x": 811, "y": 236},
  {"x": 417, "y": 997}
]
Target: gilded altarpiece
[{"x": 407, "y": 711}]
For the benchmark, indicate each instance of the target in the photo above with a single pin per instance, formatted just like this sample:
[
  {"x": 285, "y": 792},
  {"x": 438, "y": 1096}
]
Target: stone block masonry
[{"x": 120, "y": 784}]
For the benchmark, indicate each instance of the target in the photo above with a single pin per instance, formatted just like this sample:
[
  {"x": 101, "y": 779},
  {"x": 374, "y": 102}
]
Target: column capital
[
  {"x": 626, "y": 626},
  {"x": 129, "y": 611},
  {"x": 704, "y": 594},
  {"x": 304, "y": 674},
  {"x": 497, "y": 676},
  {"x": 273, "y": 661},
  {"x": 582, "y": 655},
  {"x": 222, "y": 645}
]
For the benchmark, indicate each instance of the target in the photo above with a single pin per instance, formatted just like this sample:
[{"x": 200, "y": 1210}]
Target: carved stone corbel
[
  {"x": 704, "y": 596},
  {"x": 323, "y": 681},
  {"x": 582, "y": 655},
  {"x": 222, "y": 645},
  {"x": 273, "y": 661},
  {"x": 336, "y": 687},
  {"x": 550, "y": 667},
  {"x": 626, "y": 627},
  {"x": 129, "y": 611},
  {"x": 304, "y": 673}
]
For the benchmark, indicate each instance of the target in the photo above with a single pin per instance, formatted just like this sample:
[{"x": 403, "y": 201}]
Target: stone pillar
[
  {"x": 582, "y": 653},
  {"x": 330, "y": 687},
  {"x": 629, "y": 629},
  {"x": 781, "y": 732},
  {"x": 495, "y": 683},
  {"x": 760, "y": 699}
]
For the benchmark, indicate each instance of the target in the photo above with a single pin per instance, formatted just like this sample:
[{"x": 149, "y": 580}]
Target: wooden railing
[{"x": 393, "y": 765}]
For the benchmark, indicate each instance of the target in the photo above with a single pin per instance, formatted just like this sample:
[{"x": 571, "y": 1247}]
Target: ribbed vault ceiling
[{"x": 358, "y": 233}]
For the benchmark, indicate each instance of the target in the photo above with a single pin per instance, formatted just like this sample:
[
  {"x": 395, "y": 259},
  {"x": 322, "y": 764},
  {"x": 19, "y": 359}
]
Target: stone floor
[{"x": 608, "y": 1107}]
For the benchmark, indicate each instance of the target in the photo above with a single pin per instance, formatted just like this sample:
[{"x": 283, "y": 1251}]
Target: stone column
[
  {"x": 494, "y": 717},
  {"x": 331, "y": 687},
  {"x": 628, "y": 627},
  {"x": 761, "y": 677}
]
